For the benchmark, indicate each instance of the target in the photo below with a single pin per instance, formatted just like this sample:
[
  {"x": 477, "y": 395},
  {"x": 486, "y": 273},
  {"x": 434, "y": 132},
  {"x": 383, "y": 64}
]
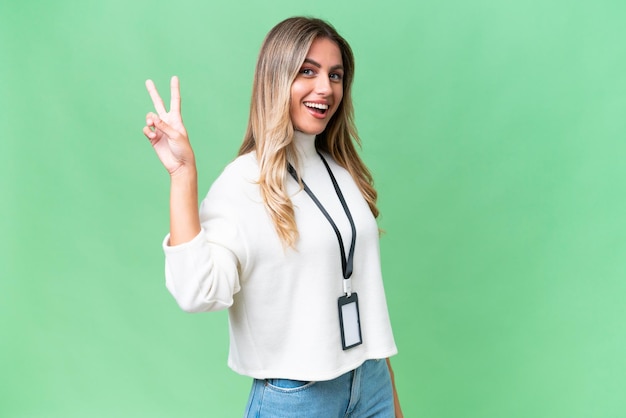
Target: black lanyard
[{"x": 346, "y": 263}]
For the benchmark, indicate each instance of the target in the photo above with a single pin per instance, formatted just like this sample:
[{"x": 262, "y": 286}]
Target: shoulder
[
  {"x": 244, "y": 169},
  {"x": 238, "y": 182},
  {"x": 241, "y": 173},
  {"x": 338, "y": 170}
]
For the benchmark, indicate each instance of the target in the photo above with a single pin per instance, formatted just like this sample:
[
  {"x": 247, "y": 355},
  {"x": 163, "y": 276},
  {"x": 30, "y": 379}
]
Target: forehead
[{"x": 325, "y": 52}]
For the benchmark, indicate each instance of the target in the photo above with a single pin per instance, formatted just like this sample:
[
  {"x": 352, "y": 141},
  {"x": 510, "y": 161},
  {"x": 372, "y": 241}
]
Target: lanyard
[{"x": 346, "y": 263}]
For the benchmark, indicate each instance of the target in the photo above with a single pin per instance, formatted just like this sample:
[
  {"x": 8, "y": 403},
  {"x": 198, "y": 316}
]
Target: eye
[
  {"x": 336, "y": 76},
  {"x": 307, "y": 71}
]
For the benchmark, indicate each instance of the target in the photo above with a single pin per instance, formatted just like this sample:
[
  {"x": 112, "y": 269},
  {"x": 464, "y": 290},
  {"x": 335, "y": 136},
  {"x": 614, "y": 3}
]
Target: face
[{"x": 318, "y": 88}]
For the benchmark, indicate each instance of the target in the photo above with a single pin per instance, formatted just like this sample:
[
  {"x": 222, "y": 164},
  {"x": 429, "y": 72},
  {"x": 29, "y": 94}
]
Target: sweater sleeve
[
  {"x": 203, "y": 274},
  {"x": 200, "y": 275}
]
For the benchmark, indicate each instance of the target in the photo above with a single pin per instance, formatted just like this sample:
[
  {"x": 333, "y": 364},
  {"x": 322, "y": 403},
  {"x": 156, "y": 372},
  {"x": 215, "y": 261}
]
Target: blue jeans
[{"x": 363, "y": 392}]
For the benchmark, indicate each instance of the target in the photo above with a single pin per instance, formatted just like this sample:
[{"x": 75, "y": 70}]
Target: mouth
[{"x": 317, "y": 108}]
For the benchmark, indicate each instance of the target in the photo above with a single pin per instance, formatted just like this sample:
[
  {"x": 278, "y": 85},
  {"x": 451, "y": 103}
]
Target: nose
[{"x": 322, "y": 85}]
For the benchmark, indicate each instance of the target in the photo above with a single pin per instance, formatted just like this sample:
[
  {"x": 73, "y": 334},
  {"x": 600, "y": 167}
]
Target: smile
[{"x": 319, "y": 108}]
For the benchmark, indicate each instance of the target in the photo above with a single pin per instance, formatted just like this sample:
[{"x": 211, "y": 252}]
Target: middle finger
[{"x": 175, "y": 95}]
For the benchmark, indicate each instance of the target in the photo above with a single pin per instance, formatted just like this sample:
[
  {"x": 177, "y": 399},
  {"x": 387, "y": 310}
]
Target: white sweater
[{"x": 283, "y": 314}]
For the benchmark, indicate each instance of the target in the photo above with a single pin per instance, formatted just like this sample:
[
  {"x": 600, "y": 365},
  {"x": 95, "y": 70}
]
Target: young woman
[{"x": 286, "y": 238}]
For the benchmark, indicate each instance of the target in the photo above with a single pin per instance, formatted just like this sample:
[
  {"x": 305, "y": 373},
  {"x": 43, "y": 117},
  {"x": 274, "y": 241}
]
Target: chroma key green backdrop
[{"x": 496, "y": 134}]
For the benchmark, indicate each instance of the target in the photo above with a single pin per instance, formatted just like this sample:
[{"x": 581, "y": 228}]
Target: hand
[{"x": 166, "y": 131}]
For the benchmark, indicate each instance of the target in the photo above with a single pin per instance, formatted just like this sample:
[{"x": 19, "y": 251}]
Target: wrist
[
  {"x": 184, "y": 219},
  {"x": 185, "y": 172}
]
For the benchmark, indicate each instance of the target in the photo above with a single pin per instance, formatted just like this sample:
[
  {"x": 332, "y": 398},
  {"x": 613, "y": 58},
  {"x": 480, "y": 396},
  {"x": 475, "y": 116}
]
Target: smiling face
[{"x": 318, "y": 88}]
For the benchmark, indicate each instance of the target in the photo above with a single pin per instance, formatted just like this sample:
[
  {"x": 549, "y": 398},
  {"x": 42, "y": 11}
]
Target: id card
[{"x": 349, "y": 321}]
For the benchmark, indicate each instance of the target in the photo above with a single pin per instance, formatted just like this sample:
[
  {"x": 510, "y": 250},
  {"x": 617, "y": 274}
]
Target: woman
[{"x": 286, "y": 238}]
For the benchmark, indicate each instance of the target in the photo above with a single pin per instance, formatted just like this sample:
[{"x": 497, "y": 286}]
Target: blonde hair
[{"x": 270, "y": 130}]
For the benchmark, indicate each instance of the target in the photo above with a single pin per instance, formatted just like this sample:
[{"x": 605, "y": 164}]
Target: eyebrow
[{"x": 318, "y": 65}]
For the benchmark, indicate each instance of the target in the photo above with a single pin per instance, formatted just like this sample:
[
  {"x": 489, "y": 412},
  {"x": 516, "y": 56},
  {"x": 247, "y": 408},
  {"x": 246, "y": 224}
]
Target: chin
[{"x": 312, "y": 130}]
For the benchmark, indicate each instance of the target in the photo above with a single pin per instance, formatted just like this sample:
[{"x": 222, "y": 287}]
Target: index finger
[
  {"x": 159, "y": 106},
  {"x": 175, "y": 95}
]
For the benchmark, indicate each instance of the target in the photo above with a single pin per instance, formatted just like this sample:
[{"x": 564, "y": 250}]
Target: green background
[{"x": 496, "y": 134}]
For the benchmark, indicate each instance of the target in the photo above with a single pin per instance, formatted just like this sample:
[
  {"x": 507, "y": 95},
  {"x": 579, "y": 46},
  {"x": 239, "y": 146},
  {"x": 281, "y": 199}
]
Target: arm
[
  {"x": 201, "y": 277},
  {"x": 396, "y": 401},
  {"x": 168, "y": 137}
]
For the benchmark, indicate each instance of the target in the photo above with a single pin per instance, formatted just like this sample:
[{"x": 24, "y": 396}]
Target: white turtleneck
[{"x": 282, "y": 302}]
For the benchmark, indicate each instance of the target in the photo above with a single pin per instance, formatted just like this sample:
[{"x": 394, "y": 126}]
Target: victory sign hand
[{"x": 166, "y": 131}]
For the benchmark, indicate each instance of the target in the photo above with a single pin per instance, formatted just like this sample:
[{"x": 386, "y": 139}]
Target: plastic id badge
[{"x": 349, "y": 321}]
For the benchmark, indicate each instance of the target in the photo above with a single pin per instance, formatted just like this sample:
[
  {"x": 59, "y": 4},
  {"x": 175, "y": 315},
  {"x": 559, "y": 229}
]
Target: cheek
[
  {"x": 297, "y": 91},
  {"x": 338, "y": 93},
  {"x": 293, "y": 101}
]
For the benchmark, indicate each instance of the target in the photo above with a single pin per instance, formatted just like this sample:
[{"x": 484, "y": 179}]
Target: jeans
[{"x": 363, "y": 392}]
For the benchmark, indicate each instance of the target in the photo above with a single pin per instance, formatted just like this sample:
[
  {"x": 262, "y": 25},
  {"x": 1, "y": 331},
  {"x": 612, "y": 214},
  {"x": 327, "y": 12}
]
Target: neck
[{"x": 304, "y": 145}]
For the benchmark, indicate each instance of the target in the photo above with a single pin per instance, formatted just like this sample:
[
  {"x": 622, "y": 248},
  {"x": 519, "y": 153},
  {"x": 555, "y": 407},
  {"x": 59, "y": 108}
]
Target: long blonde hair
[{"x": 270, "y": 130}]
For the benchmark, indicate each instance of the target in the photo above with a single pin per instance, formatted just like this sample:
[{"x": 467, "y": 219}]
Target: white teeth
[{"x": 316, "y": 105}]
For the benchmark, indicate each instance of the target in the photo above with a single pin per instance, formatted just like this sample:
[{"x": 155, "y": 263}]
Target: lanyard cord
[{"x": 346, "y": 263}]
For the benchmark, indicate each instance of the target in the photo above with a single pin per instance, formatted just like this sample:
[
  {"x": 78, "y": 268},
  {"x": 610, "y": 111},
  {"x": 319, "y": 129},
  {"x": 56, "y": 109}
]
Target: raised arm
[{"x": 168, "y": 136}]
